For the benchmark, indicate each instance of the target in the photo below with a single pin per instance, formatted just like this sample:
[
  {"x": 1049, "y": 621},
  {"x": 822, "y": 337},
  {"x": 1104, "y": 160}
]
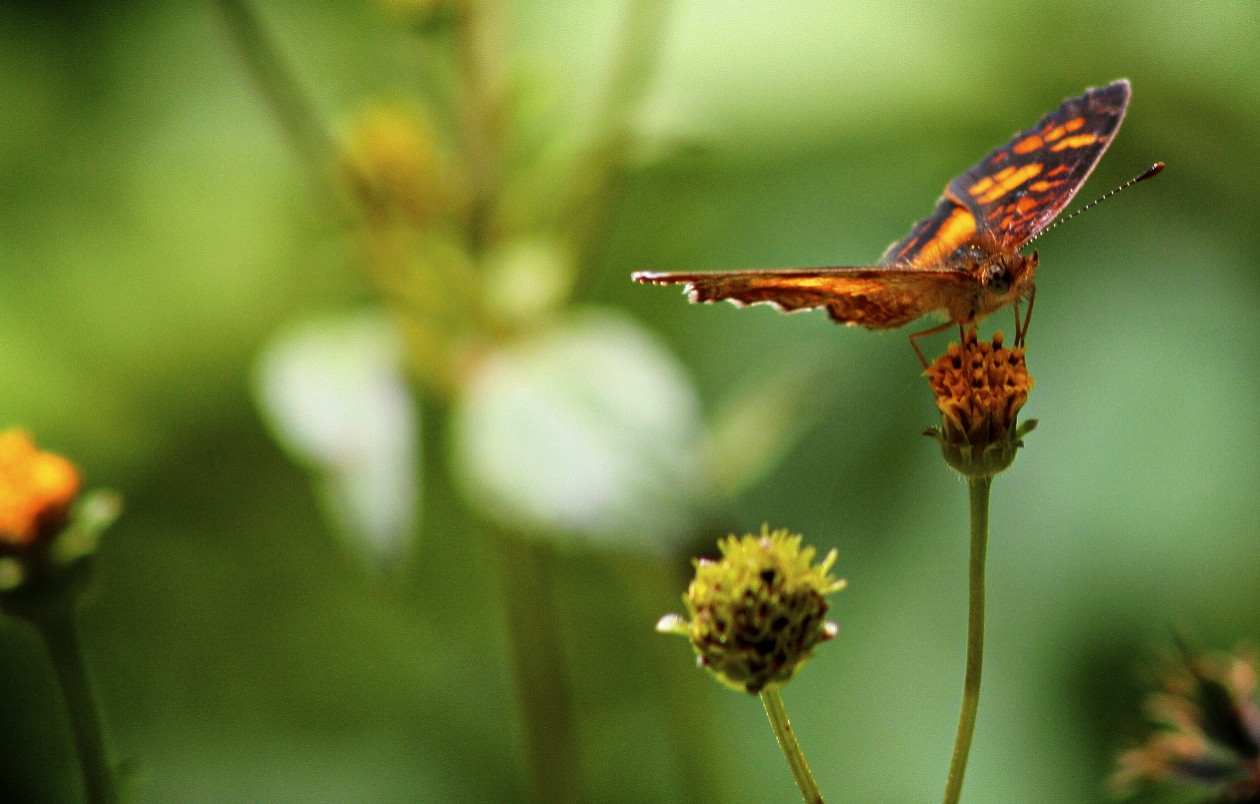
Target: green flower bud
[{"x": 758, "y": 612}]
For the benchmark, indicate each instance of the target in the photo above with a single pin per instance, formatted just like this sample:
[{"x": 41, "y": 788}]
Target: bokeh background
[{"x": 158, "y": 233}]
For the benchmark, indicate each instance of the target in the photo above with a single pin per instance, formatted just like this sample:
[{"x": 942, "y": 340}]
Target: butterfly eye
[{"x": 998, "y": 278}]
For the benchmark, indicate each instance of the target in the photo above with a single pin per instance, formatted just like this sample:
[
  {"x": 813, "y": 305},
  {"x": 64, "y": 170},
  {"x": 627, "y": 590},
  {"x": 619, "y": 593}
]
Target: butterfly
[{"x": 964, "y": 259}]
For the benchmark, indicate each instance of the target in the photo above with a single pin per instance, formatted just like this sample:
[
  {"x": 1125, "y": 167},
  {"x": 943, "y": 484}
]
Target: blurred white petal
[
  {"x": 334, "y": 395},
  {"x": 589, "y": 430}
]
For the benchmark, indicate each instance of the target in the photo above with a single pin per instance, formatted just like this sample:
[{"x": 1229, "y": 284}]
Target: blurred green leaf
[
  {"x": 756, "y": 427},
  {"x": 95, "y": 511}
]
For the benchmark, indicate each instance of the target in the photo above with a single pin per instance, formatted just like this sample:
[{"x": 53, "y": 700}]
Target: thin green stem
[
  {"x": 542, "y": 688},
  {"x": 481, "y": 52},
  {"x": 598, "y": 185},
  {"x": 683, "y": 695},
  {"x": 279, "y": 86},
  {"x": 979, "y": 493},
  {"x": 777, "y": 712},
  {"x": 61, "y": 638}
]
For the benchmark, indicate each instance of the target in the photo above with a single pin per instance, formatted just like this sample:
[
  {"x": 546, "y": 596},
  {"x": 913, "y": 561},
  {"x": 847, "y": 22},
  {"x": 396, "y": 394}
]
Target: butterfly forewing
[{"x": 877, "y": 298}]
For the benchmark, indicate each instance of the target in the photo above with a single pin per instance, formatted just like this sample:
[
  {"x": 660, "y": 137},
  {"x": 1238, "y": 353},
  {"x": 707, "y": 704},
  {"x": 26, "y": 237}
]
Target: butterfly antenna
[{"x": 1150, "y": 172}]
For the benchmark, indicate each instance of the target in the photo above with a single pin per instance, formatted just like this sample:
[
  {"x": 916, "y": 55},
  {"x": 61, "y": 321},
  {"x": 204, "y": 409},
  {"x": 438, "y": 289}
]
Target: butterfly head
[{"x": 1005, "y": 278}]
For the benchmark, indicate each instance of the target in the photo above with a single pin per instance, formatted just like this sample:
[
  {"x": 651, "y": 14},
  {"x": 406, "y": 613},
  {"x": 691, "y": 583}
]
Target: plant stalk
[
  {"x": 61, "y": 639},
  {"x": 599, "y": 184},
  {"x": 284, "y": 95},
  {"x": 541, "y": 674},
  {"x": 978, "y": 488},
  {"x": 777, "y": 712}
]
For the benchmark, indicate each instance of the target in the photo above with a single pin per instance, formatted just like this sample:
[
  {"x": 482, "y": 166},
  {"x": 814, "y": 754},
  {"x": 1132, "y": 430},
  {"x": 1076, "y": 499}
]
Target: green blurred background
[{"x": 157, "y": 231}]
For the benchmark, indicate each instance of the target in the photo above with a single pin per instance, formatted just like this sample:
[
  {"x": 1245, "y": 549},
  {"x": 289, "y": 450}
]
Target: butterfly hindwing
[{"x": 933, "y": 239}]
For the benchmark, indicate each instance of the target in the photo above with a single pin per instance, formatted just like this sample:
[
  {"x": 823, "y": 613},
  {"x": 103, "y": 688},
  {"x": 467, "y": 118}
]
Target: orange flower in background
[
  {"x": 36, "y": 490},
  {"x": 1206, "y": 731}
]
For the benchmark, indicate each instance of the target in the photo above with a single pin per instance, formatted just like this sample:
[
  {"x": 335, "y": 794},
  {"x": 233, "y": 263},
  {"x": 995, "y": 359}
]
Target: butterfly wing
[
  {"x": 1019, "y": 188},
  {"x": 997, "y": 206},
  {"x": 932, "y": 240},
  {"x": 876, "y": 298},
  {"x": 1015, "y": 191}
]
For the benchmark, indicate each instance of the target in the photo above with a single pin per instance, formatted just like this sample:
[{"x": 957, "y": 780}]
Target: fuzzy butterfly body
[{"x": 964, "y": 259}]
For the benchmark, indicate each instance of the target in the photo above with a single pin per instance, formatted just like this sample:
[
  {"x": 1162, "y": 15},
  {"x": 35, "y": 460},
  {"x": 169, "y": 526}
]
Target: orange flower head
[
  {"x": 36, "y": 491},
  {"x": 980, "y": 388}
]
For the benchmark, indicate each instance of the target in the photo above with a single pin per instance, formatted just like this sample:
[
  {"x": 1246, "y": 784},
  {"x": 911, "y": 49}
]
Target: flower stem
[
  {"x": 600, "y": 182},
  {"x": 777, "y": 712},
  {"x": 979, "y": 493},
  {"x": 61, "y": 639},
  {"x": 282, "y": 92},
  {"x": 542, "y": 686},
  {"x": 481, "y": 57}
]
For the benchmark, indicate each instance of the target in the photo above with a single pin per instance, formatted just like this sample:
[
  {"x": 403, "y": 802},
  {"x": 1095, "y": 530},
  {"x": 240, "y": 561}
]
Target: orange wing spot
[
  {"x": 1074, "y": 123},
  {"x": 952, "y": 233},
  {"x": 1057, "y": 171},
  {"x": 1075, "y": 141},
  {"x": 1026, "y": 204},
  {"x": 1043, "y": 185},
  {"x": 1009, "y": 179},
  {"x": 1054, "y": 133},
  {"x": 1028, "y": 144},
  {"x": 825, "y": 284},
  {"x": 1005, "y": 172},
  {"x": 980, "y": 186}
]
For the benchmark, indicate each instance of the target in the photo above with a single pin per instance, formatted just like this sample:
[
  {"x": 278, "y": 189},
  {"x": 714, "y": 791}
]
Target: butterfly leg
[
  {"x": 915, "y": 337},
  {"x": 1021, "y": 332}
]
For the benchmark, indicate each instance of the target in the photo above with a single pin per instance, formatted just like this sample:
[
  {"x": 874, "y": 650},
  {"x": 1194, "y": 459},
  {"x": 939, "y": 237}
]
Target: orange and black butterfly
[{"x": 962, "y": 260}]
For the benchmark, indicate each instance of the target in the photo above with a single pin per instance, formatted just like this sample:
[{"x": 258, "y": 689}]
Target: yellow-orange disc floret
[{"x": 980, "y": 388}]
